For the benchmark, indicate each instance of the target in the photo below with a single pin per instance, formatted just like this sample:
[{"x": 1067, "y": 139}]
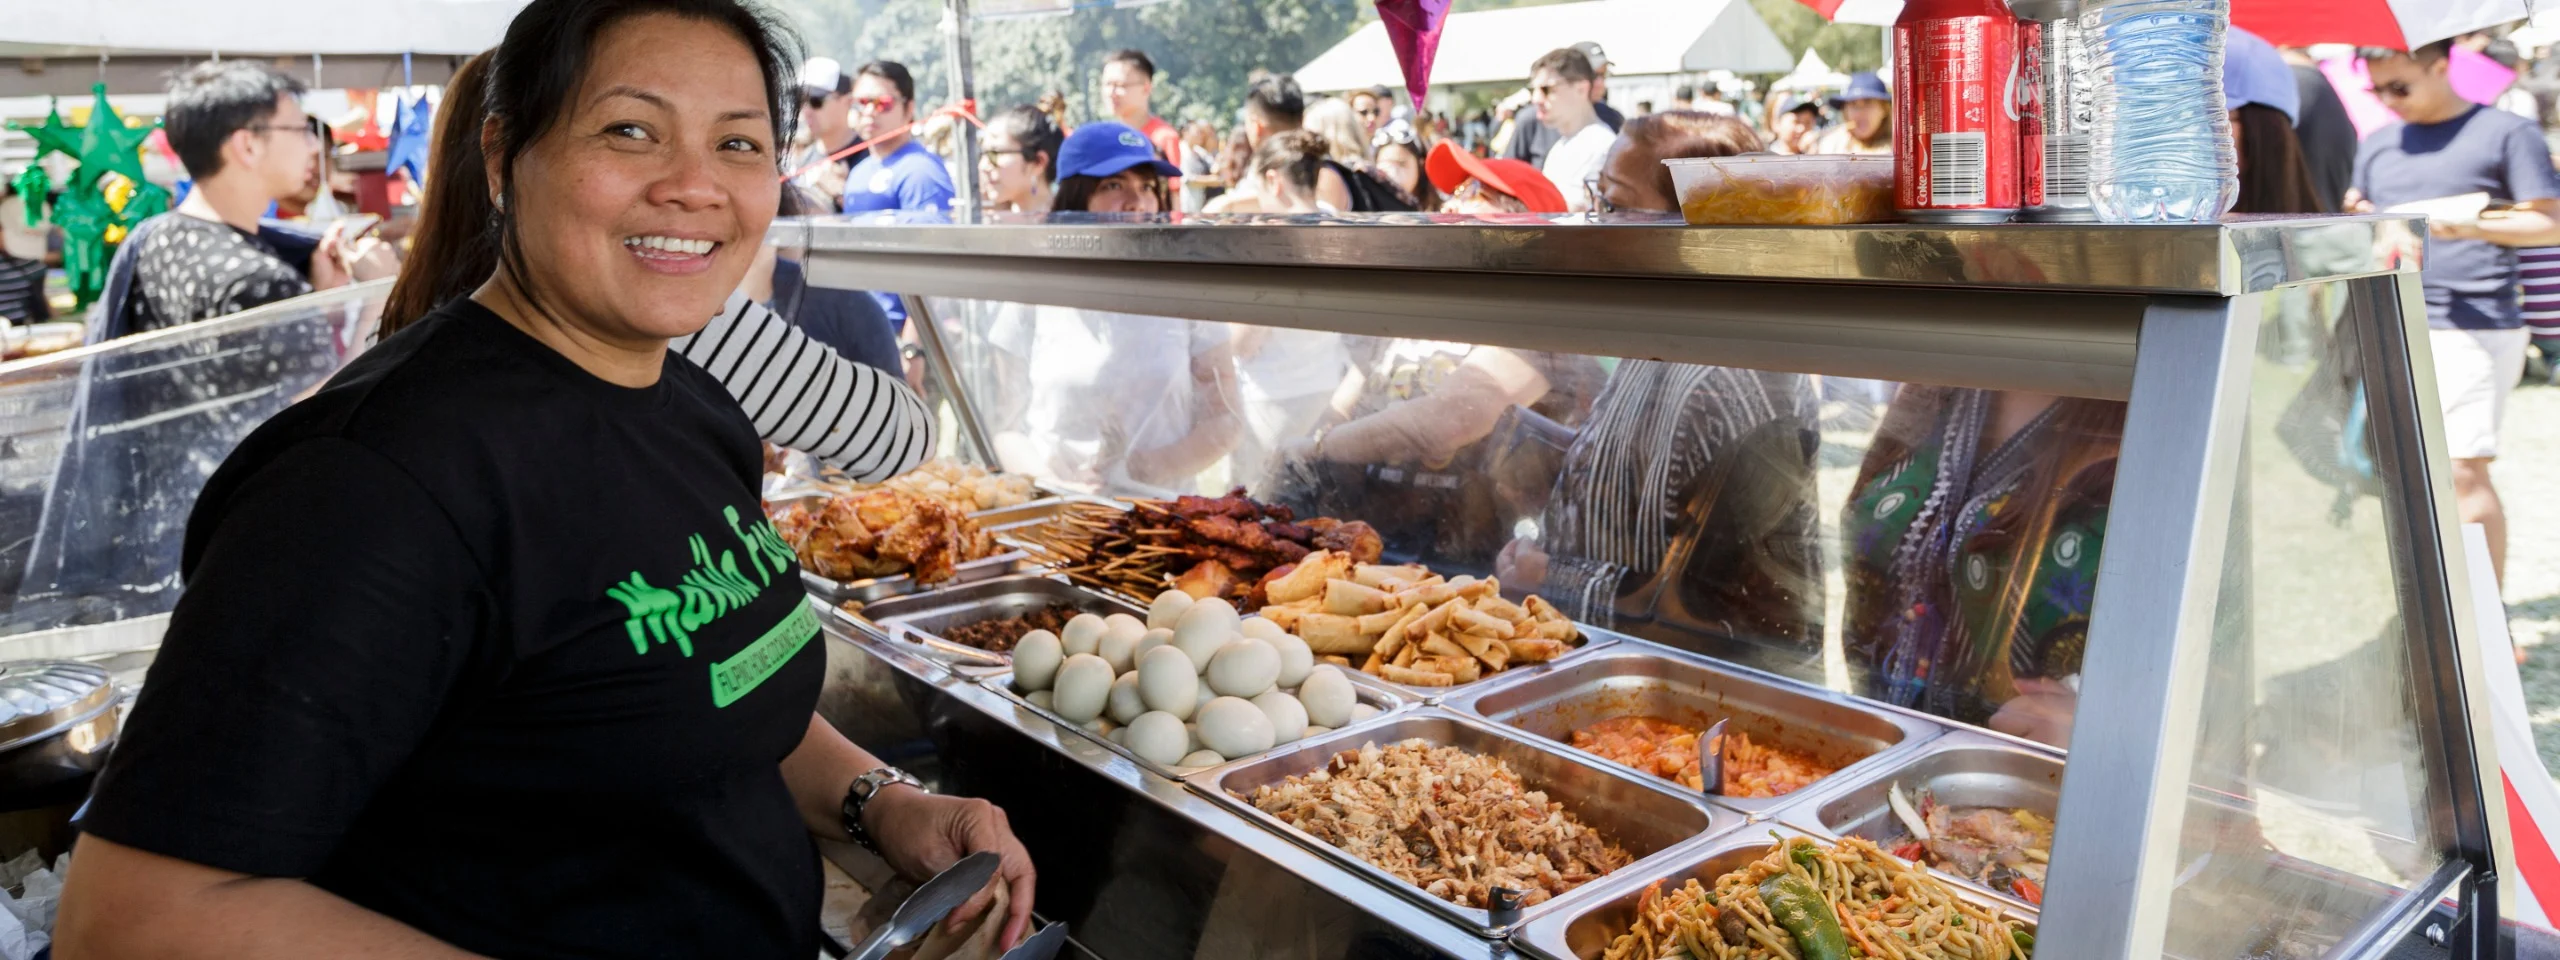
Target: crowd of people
[{"x": 550, "y": 303}]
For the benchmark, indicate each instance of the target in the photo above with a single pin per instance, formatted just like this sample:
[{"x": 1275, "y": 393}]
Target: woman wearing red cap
[{"x": 1476, "y": 185}]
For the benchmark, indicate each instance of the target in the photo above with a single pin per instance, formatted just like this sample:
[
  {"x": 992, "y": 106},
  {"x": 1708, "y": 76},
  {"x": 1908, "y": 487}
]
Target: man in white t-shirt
[{"x": 1560, "y": 84}]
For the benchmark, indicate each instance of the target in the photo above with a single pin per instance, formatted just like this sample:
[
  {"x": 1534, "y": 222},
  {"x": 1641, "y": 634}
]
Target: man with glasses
[
  {"x": 1560, "y": 84},
  {"x": 1129, "y": 90},
  {"x": 1532, "y": 138},
  {"x": 2447, "y": 147},
  {"x": 900, "y": 178},
  {"x": 239, "y": 128},
  {"x": 826, "y": 112}
]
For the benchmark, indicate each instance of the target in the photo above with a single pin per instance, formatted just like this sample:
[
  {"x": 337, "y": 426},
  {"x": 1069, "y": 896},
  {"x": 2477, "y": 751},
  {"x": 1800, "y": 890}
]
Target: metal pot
[{"x": 57, "y": 720}]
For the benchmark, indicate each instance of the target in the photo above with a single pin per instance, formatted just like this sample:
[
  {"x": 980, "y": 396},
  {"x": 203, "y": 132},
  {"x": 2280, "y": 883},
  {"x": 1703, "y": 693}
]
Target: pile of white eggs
[{"x": 1193, "y": 685}]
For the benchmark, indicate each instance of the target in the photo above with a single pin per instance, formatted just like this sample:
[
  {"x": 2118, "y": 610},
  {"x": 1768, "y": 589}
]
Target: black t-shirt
[
  {"x": 498, "y": 649},
  {"x": 191, "y": 269}
]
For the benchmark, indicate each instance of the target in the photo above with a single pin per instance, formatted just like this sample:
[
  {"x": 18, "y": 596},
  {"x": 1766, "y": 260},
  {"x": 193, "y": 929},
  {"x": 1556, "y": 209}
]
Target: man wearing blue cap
[{"x": 1866, "y": 118}]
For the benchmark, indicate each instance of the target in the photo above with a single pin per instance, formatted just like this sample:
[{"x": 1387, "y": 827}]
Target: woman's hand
[
  {"x": 1521, "y": 566},
  {"x": 921, "y": 834},
  {"x": 2041, "y": 712}
]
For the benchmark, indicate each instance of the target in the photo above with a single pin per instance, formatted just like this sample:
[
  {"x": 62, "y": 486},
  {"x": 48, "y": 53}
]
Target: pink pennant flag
[
  {"x": 1413, "y": 28},
  {"x": 2476, "y": 77}
]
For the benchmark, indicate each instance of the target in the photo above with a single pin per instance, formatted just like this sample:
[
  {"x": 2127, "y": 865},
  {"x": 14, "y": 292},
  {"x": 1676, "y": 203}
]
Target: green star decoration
[
  {"x": 55, "y": 136},
  {"x": 107, "y": 144}
]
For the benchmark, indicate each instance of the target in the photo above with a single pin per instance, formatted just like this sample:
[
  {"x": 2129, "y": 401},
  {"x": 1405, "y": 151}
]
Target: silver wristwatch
[{"x": 859, "y": 796}]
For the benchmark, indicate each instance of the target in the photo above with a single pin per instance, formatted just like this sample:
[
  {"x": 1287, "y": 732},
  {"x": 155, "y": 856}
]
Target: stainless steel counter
[{"x": 2247, "y": 255}]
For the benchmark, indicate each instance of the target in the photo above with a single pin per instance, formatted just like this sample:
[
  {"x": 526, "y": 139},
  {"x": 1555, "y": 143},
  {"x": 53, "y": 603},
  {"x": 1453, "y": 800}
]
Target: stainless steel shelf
[{"x": 2247, "y": 255}]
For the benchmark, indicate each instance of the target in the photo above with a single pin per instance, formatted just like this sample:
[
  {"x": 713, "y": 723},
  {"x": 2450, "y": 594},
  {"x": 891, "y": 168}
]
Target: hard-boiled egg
[
  {"x": 1084, "y": 685},
  {"x": 1362, "y": 711},
  {"x": 1259, "y": 627},
  {"x": 1122, "y": 704},
  {"x": 1035, "y": 660},
  {"x": 1202, "y": 631},
  {"x": 1118, "y": 648},
  {"x": 1158, "y": 736},
  {"x": 1234, "y": 728},
  {"x": 1296, "y": 659},
  {"x": 1202, "y": 758},
  {"x": 1041, "y": 698},
  {"x": 1166, "y": 682},
  {"x": 1122, "y": 621},
  {"x": 1083, "y": 634},
  {"x": 1244, "y": 667},
  {"x": 1152, "y": 640},
  {"x": 1328, "y": 696},
  {"x": 1168, "y": 608},
  {"x": 1288, "y": 717}
]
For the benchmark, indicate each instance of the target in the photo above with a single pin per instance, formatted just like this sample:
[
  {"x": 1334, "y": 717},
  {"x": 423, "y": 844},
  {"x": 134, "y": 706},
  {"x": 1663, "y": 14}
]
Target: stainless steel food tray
[
  {"x": 1386, "y": 701},
  {"x": 1962, "y": 770},
  {"x": 921, "y": 618},
  {"x": 876, "y": 589},
  {"x": 1641, "y": 678},
  {"x": 1634, "y": 812},
  {"x": 1582, "y": 932}
]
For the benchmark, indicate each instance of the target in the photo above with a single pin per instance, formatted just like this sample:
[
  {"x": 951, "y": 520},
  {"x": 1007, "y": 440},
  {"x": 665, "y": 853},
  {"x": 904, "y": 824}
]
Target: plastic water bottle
[{"x": 2161, "y": 147}]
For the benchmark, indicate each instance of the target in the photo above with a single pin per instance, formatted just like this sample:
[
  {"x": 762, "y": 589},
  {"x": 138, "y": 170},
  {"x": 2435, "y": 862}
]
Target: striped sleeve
[{"x": 805, "y": 396}]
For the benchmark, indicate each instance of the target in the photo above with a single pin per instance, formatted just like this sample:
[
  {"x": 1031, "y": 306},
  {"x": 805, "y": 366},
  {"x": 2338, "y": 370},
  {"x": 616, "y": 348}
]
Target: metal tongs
[
  {"x": 1711, "y": 759},
  {"x": 929, "y": 904}
]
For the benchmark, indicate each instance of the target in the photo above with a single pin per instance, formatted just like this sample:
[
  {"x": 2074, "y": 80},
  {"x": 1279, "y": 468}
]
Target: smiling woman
[{"x": 486, "y": 647}]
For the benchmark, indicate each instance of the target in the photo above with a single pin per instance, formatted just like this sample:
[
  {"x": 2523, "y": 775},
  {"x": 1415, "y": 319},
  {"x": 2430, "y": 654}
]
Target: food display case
[
  {"x": 2222, "y": 553},
  {"x": 2236, "y": 602}
]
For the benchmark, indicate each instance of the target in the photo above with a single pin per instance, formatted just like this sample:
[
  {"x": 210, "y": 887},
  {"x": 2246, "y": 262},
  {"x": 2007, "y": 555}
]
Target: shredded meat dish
[
  {"x": 1999, "y": 847},
  {"x": 1454, "y": 823},
  {"x": 999, "y": 635},
  {"x": 1670, "y": 750},
  {"x": 881, "y": 533}
]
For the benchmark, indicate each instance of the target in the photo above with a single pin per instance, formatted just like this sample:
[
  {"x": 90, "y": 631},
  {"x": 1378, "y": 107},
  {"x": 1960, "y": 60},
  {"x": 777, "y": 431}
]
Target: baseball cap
[
  {"x": 2253, "y": 72},
  {"x": 1599, "y": 58},
  {"x": 1451, "y": 168},
  {"x": 823, "y": 76},
  {"x": 1795, "y": 103},
  {"x": 1863, "y": 85},
  {"x": 1106, "y": 148}
]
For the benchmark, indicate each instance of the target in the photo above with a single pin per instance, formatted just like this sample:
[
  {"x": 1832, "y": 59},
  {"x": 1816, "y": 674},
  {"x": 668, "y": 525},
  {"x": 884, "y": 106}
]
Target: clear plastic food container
[{"x": 1773, "y": 189}]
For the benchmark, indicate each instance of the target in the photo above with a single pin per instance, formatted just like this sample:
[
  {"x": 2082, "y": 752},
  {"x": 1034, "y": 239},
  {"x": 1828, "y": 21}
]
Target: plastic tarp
[
  {"x": 1642, "y": 37},
  {"x": 88, "y": 28}
]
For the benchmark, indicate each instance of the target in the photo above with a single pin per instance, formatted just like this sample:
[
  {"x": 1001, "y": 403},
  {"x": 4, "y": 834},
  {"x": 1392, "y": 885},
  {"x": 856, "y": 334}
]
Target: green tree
[
  {"x": 1847, "y": 47},
  {"x": 1205, "y": 50}
]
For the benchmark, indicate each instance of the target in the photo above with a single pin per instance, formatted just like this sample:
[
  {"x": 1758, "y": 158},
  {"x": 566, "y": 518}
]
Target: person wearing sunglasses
[
  {"x": 1560, "y": 84},
  {"x": 1373, "y": 109},
  {"x": 900, "y": 178},
  {"x": 826, "y": 114},
  {"x": 1399, "y": 159},
  {"x": 2444, "y": 147},
  {"x": 1018, "y": 161}
]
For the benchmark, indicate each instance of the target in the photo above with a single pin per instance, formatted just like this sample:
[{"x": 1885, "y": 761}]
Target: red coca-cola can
[{"x": 1957, "y": 83}]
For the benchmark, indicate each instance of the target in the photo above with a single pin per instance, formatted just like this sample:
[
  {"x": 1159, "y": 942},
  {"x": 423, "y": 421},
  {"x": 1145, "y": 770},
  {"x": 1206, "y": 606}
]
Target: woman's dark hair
[
  {"x": 1426, "y": 197},
  {"x": 215, "y": 99},
  {"x": 526, "y": 86},
  {"x": 1684, "y": 134},
  {"x": 449, "y": 251},
  {"x": 1075, "y": 194},
  {"x": 2274, "y": 178},
  {"x": 1034, "y": 132},
  {"x": 1298, "y": 154}
]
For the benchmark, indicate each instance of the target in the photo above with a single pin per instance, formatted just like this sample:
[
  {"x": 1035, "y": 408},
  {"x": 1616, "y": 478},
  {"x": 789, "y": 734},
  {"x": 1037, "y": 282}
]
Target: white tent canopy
[
  {"x": 61, "y": 47},
  {"x": 1642, "y": 37},
  {"x": 87, "y": 28},
  {"x": 1811, "y": 73}
]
